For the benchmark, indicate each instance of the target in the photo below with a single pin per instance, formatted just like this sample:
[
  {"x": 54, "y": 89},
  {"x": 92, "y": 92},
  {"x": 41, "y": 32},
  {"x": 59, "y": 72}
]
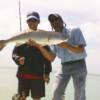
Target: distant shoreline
[{"x": 14, "y": 67}]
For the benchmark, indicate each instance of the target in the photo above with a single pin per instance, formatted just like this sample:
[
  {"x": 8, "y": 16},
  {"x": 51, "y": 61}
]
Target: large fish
[{"x": 40, "y": 36}]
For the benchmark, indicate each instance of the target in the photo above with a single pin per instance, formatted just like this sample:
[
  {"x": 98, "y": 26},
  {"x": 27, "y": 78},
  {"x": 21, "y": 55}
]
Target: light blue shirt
[{"x": 75, "y": 38}]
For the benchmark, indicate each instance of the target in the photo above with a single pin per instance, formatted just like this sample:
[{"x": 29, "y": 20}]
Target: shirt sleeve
[
  {"x": 78, "y": 38},
  {"x": 17, "y": 53}
]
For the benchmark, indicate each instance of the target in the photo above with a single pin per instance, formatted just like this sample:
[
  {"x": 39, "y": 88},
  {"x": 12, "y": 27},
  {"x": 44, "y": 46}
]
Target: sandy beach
[{"x": 8, "y": 86}]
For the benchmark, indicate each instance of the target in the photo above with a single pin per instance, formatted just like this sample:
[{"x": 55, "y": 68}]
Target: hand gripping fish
[{"x": 40, "y": 36}]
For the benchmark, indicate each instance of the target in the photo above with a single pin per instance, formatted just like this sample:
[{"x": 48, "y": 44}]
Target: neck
[{"x": 33, "y": 29}]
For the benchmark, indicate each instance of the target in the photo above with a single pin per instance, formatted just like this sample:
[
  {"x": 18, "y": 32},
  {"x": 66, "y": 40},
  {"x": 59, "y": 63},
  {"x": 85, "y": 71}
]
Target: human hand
[
  {"x": 63, "y": 45},
  {"x": 31, "y": 42},
  {"x": 22, "y": 60},
  {"x": 46, "y": 78}
]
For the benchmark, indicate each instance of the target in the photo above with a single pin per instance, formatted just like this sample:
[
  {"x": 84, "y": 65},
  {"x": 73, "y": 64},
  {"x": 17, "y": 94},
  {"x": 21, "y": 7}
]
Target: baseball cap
[
  {"x": 33, "y": 15},
  {"x": 54, "y": 17}
]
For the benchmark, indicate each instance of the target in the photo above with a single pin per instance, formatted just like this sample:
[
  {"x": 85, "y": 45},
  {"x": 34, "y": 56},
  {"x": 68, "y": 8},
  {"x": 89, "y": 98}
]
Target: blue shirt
[{"x": 75, "y": 38}]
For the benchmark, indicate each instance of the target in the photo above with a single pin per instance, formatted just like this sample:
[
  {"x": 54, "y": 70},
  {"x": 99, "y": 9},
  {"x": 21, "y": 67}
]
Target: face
[
  {"x": 57, "y": 25},
  {"x": 33, "y": 24}
]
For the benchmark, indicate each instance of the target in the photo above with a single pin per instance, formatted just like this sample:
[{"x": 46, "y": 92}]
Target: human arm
[
  {"x": 76, "y": 48},
  {"x": 47, "y": 70},
  {"x": 18, "y": 58},
  {"x": 77, "y": 42},
  {"x": 46, "y": 53},
  {"x": 46, "y": 78}
]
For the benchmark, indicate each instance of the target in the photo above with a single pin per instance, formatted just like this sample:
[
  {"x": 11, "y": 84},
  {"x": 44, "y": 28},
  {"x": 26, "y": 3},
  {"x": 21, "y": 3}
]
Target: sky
[{"x": 84, "y": 14}]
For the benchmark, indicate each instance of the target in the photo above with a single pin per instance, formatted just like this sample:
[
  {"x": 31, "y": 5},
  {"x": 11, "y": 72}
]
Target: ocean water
[{"x": 8, "y": 86}]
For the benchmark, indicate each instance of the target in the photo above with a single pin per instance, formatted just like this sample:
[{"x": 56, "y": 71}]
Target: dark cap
[
  {"x": 54, "y": 17},
  {"x": 33, "y": 15}
]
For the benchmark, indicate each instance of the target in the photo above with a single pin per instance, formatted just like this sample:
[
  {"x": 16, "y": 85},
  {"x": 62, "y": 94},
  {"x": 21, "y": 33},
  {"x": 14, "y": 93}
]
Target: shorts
[{"x": 36, "y": 87}]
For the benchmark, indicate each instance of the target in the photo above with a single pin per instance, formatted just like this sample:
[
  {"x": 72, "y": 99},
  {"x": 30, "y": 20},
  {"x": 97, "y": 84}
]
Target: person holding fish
[
  {"x": 34, "y": 64},
  {"x": 72, "y": 54}
]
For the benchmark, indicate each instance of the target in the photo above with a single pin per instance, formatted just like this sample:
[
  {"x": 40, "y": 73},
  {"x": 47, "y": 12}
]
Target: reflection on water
[{"x": 8, "y": 85}]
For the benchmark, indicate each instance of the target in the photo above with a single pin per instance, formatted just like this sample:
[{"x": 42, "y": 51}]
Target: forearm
[
  {"x": 47, "y": 54},
  {"x": 76, "y": 49}
]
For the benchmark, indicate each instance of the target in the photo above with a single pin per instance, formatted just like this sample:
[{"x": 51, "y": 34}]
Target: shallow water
[{"x": 8, "y": 86}]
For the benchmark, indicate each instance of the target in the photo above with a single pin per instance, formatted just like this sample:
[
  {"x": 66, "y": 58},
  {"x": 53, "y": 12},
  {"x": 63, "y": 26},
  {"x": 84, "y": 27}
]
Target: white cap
[{"x": 33, "y": 15}]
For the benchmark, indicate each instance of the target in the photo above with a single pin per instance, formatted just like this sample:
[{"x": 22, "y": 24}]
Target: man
[
  {"x": 34, "y": 64},
  {"x": 72, "y": 54}
]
